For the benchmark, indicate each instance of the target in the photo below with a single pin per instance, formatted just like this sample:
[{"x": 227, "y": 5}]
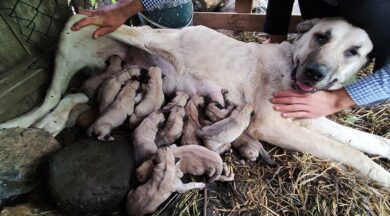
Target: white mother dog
[{"x": 326, "y": 55}]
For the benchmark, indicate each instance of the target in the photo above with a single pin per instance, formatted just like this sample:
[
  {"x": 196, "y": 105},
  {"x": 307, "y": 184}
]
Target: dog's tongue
[{"x": 304, "y": 87}]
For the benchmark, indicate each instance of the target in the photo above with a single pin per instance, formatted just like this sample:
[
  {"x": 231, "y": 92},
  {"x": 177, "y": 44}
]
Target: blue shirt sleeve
[{"x": 371, "y": 90}]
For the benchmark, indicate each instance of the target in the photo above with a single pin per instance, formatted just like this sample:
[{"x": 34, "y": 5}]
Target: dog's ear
[{"x": 306, "y": 25}]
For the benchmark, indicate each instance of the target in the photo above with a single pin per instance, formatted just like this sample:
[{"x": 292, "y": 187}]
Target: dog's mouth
[
  {"x": 307, "y": 87},
  {"x": 301, "y": 86},
  {"x": 304, "y": 87}
]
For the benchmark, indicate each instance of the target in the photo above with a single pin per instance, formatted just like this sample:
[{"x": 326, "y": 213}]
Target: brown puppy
[
  {"x": 144, "y": 136},
  {"x": 194, "y": 160},
  {"x": 146, "y": 198},
  {"x": 152, "y": 99},
  {"x": 219, "y": 135}
]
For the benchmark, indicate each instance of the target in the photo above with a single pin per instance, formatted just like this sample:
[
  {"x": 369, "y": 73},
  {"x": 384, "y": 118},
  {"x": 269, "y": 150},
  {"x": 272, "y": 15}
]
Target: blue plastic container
[{"x": 173, "y": 17}]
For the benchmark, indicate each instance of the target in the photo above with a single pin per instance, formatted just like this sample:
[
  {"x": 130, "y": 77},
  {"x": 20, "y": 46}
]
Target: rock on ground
[
  {"x": 21, "y": 152},
  {"x": 91, "y": 176}
]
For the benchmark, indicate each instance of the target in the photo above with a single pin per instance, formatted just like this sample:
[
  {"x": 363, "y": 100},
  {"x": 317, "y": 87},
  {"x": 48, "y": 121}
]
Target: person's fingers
[
  {"x": 297, "y": 115},
  {"x": 288, "y": 93},
  {"x": 102, "y": 31},
  {"x": 288, "y": 100},
  {"x": 87, "y": 12},
  {"x": 95, "y": 20},
  {"x": 291, "y": 108}
]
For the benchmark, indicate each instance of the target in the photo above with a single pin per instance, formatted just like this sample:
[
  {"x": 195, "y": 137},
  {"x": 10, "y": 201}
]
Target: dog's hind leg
[
  {"x": 366, "y": 142},
  {"x": 76, "y": 50},
  {"x": 287, "y": 135}
]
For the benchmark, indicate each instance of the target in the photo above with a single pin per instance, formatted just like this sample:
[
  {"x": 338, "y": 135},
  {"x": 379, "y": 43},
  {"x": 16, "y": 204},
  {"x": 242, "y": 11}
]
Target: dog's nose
[{"x": 315, "y": 72}]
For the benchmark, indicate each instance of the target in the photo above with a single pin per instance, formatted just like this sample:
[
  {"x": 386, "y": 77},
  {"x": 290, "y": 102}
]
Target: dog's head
[{"x": 328, "y": 53}]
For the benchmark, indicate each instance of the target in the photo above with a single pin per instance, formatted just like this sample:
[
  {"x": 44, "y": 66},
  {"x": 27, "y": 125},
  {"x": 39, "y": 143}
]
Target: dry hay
[{"x": 301, "y": 184}]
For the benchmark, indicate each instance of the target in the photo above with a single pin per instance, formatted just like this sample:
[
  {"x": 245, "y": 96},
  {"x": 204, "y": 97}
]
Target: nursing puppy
[
  {"x": 325, "y": 56},
  {"x": 218, "y": 136},
  {"x": 91, "y": 85},
  {"x": 116, "y": 113},
  {"x": 146, "y": 198},
  {"x": 152, "y": 99},
  {"x": 191, "y": 123},
  {"x": 194, "y": 160},
  {"x": 144, "y": 137},
  {"x": 111, "y": 87}
]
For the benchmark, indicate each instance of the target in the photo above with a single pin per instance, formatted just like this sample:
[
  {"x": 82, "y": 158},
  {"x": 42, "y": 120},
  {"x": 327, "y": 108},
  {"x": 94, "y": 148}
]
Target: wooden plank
[
  {"x": 237, "y": 21},
  {"x": 10, "y": 77},
  {"x": 25, "y": 104},
  {"x": 243, "y": 6},
  {"x": 20, "y": 82}
]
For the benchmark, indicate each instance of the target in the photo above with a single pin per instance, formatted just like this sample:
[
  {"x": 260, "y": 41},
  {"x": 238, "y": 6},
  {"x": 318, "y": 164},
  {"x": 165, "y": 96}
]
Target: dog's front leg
[
  {"x": 288, "y": 135},
  {"x": 76, "y": 50},
  {"x": 366, "y": 142}
]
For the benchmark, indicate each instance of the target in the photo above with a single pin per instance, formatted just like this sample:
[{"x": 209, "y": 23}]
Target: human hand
[
  {"x": 108, "y": 18},
  {"x": 294, "y": 104},
  {"x": 275, "y": 39}
]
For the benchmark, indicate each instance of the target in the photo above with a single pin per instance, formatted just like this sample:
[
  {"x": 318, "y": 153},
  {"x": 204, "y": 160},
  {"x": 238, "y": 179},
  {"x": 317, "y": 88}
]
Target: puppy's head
[{"x": 328, "y": 53}]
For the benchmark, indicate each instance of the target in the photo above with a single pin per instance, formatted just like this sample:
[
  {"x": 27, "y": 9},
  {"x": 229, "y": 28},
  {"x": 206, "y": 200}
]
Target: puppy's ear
[{"x": 306, "y": 25}]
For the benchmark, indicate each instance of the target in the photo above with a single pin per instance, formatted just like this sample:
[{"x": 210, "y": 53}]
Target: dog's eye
[
  {"x": 321, "y": 38},
  {"x": 352, "y": 52}
]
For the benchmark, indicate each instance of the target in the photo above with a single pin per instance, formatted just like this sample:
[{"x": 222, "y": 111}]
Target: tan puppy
[
  {"x": 192, "y": 124},
  {"x": 251, "y": 149},
  {"x": 75, "y": 114},
  {"x": 180, "y": 99},
  {"x": 173, "y": 128},
  {"x": 111, "y": 87},
  {"x": 194, "y": 160},
  {"x": 116, "y": 113},
  {"x": 146, "y": 198},
  {"x": 216, "y": 113},
  {"x": 92, "y": 84},
  {"x": 153, "y": 98},
  {"x": 144, "y": 136},
  {"x": 219, "y": 135}
]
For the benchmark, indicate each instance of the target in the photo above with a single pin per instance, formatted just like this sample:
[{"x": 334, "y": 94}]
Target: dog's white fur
[
  {"x": 56, "y": 121},
  {"x": 200, "y": 60}
]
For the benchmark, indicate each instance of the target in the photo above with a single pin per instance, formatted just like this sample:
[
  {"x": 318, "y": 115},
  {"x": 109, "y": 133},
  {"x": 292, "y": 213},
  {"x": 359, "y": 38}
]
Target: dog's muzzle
[{"x": 310, "y": 76}]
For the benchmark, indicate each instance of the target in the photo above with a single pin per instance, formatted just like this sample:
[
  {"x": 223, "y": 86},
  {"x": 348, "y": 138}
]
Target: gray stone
[
  {"x": 21, "y": 151},
  {"x": 91, "y": 176}
]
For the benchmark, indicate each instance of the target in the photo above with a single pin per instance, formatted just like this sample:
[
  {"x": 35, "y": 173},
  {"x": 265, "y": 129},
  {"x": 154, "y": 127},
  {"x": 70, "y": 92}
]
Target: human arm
[
  {"x": 112, "y": 17},
  {"x": 278, "y": 19},
  {"x": 368, "y": 91}
]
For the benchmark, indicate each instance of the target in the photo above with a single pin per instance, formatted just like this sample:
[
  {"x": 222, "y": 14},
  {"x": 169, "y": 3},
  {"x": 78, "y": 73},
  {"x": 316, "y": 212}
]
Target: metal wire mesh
[{"x": 39, "y": 22}]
